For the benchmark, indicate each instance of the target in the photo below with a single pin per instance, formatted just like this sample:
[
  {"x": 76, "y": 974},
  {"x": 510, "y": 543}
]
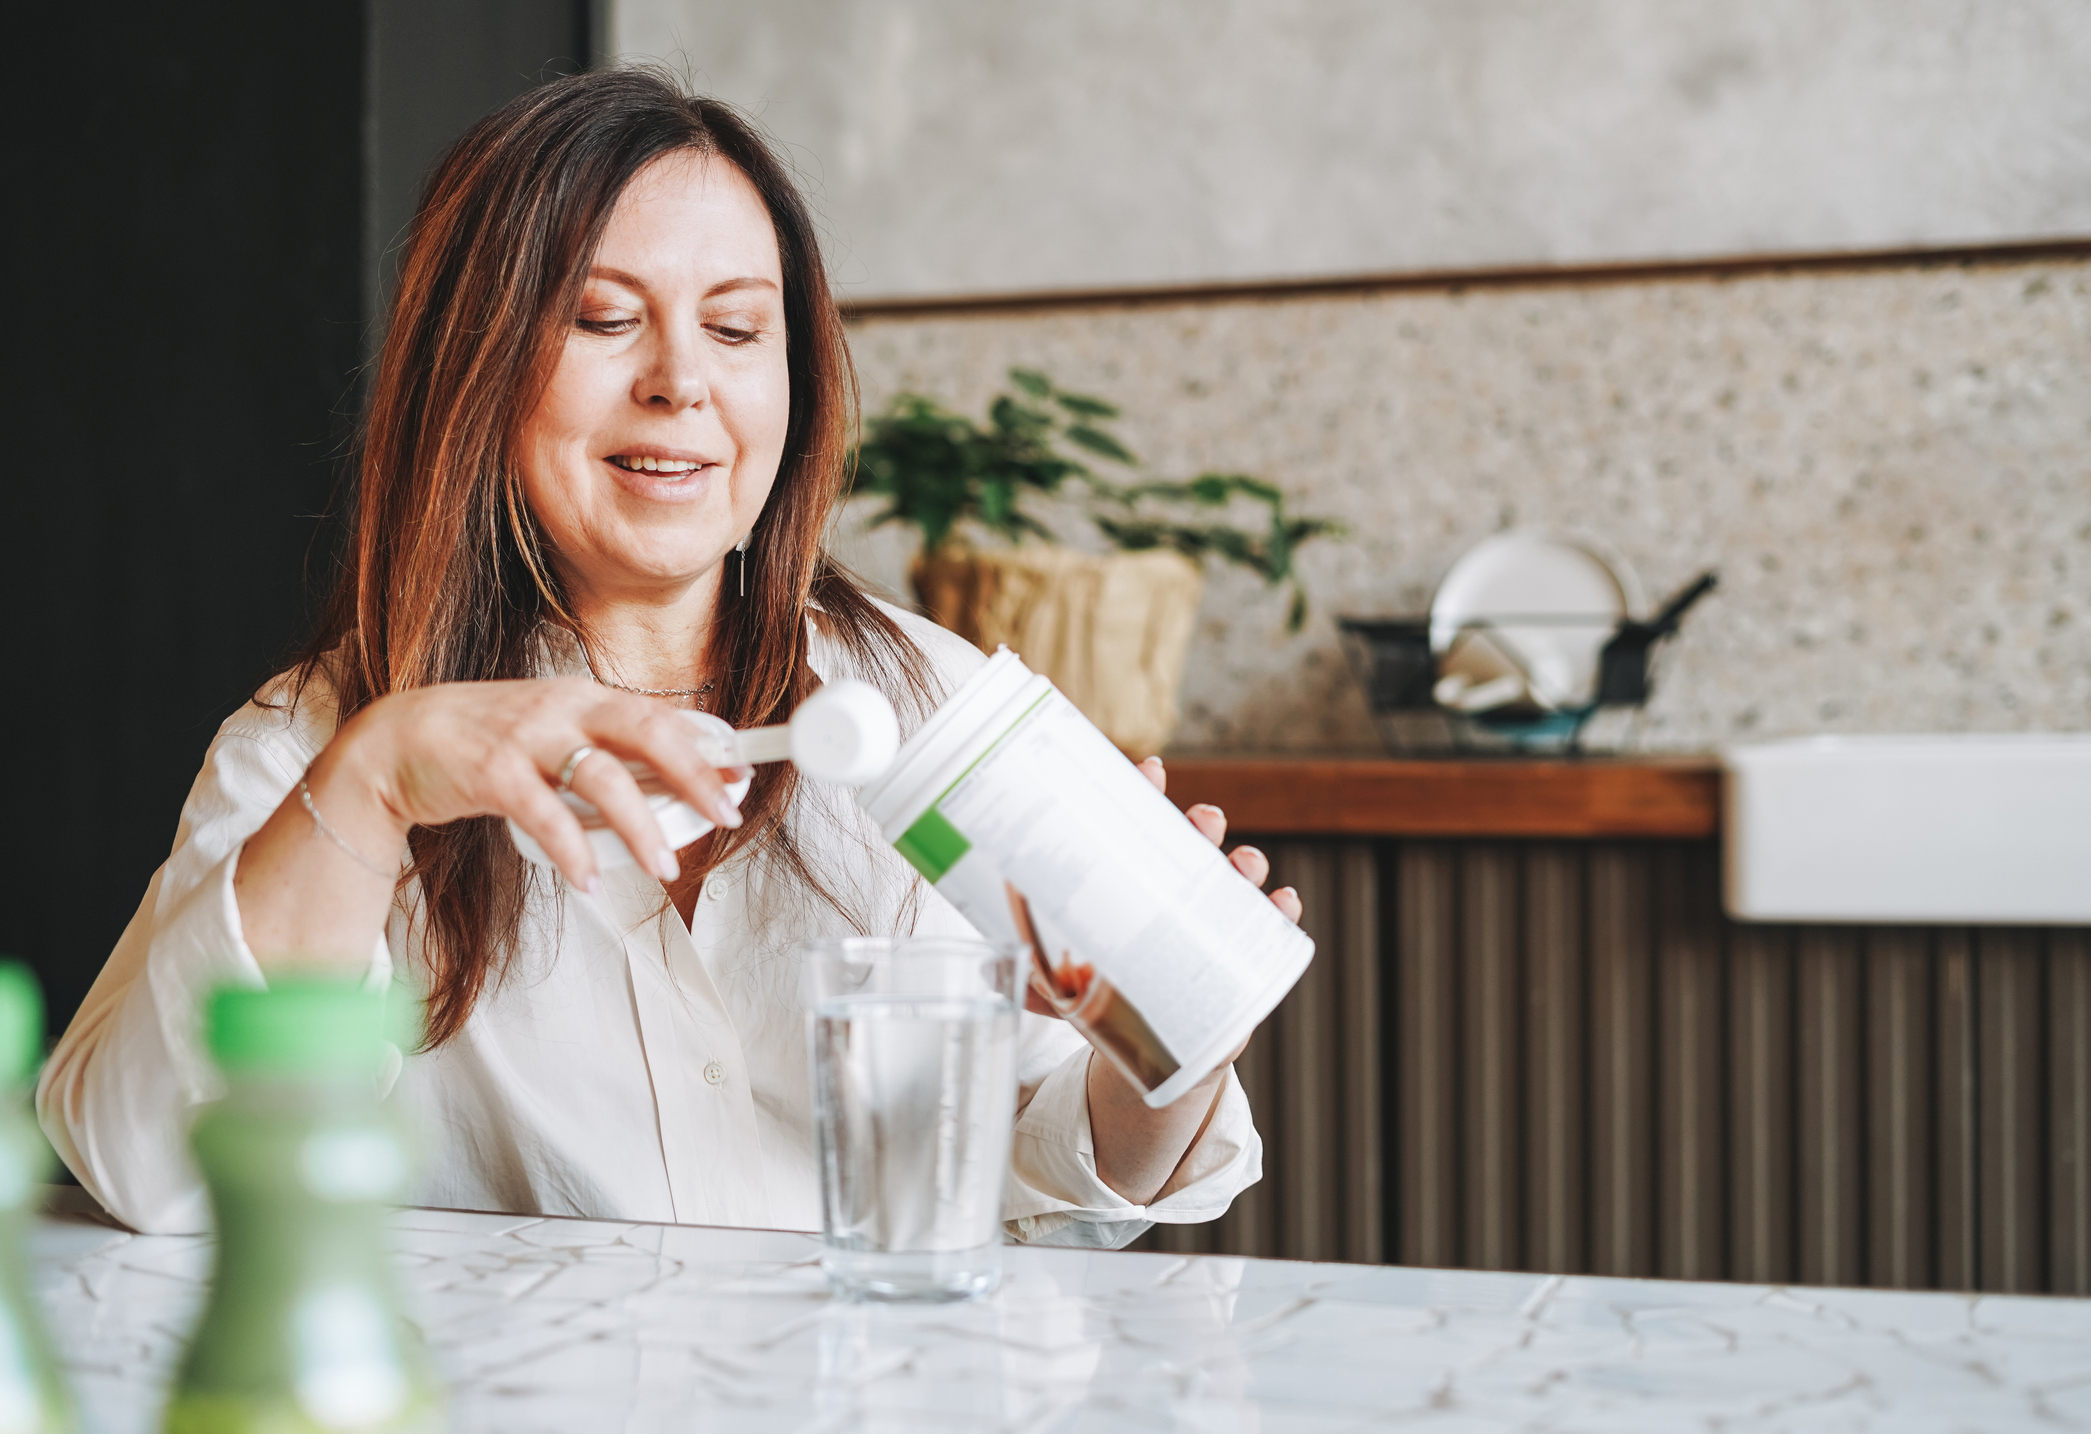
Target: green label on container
[{"x": 932, "y": 845}]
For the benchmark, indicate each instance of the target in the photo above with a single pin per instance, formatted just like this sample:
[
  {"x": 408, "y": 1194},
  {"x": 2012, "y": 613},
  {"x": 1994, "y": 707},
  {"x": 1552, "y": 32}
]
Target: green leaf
[
  {"x": 1101, "y": 443},
  {"x": 1162, "y": 490},
  {"x": 934, "y": 532},
  {"x": 1277, "y": 555},
  {"x": 996, "y": 501},
  {"x": 1256, "y": 488},
  {"x": 1031, "y": 381},
  {"x": 1017, "y": 420},
  {"x": 1103, "y": 491},
  {"x": 1136, "y": 536},
  {"x": 1299, "y": 530},
  {"x": 1238, "y": 547},
  {"x": 1083, "y": 406}
]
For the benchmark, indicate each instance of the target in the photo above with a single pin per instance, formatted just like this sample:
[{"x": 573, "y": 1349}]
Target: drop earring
[{"x": 742, "y": 548}]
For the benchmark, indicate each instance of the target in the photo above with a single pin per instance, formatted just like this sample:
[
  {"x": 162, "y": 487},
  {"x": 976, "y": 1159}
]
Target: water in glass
[{"x": 914, "y": 1069}]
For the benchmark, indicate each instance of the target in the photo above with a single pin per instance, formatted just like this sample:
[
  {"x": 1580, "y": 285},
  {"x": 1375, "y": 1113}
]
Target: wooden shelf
[{"x": 1677, "y": 798}]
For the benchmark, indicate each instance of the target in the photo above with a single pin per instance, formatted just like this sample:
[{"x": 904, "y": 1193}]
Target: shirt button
[
  {"x": 712, "y": 891},
  {"x": 714, "y": 1072}
]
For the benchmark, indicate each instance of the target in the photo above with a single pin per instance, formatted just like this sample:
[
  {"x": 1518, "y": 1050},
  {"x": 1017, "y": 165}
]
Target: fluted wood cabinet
[{"x": 1554, "y": 1052}]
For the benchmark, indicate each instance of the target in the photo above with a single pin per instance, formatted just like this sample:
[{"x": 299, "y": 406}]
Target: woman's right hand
[
  {"x": 466, "y": 749},
  {"x": 437, "y": 754}
]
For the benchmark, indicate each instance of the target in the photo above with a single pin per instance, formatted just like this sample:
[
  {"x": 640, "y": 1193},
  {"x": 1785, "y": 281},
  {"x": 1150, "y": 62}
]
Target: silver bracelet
[{"x": 305, "y": 796}]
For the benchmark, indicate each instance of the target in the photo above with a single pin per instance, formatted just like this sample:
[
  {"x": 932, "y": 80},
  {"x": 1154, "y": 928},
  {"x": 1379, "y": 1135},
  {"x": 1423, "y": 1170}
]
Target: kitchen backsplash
[{"x": 1890, "y": 467}]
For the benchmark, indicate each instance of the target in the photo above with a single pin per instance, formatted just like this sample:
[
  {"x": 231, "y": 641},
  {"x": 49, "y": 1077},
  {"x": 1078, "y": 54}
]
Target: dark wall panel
[
  {"x": 194, "y": 195},
  {"x": 186, "y": 194},
  {"x": 438, "y": 66}
]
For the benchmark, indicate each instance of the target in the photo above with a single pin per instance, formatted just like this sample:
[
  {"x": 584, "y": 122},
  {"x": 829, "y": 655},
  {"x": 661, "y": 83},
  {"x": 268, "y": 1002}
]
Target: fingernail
[
  {"x": 1251, "y": 850},
  {"x": 666, "y": 866},
  {"x": 593, "y": 886},
  {"x": 1287, "y": 891},
  {"x": 726, "y": 813}
]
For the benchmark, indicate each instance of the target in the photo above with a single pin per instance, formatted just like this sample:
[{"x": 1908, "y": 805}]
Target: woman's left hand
[
  {"x": 1137, "y": 1148},
  {"x": 1212, "y": 822},
  {"x": 1248, "y": 860}
]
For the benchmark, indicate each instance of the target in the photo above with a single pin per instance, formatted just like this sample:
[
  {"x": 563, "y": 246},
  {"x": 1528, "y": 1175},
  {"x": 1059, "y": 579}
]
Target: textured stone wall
[{"x": 1890, "y": 468}]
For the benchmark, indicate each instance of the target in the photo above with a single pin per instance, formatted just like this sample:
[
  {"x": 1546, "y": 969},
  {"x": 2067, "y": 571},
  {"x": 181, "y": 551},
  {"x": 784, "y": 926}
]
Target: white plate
[{"x": 1552, "y": 601}]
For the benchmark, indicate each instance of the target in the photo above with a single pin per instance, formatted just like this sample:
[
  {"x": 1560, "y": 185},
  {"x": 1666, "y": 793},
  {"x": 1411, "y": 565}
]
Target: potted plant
[{"x": 1111, "y": 631}]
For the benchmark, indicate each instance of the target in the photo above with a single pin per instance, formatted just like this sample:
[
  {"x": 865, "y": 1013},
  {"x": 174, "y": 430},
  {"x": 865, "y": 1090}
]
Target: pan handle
[{"x": 1666, "y": 621}]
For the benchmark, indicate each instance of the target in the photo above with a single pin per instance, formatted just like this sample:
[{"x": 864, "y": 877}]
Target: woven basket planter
[{"x": 1111, "y": 631}]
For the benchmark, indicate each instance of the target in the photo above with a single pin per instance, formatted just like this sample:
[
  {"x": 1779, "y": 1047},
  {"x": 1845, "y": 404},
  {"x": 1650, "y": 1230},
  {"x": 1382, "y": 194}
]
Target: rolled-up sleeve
[
  {"x": 1055, "y": 1196},
  {"x": 117, "y": 1096}
]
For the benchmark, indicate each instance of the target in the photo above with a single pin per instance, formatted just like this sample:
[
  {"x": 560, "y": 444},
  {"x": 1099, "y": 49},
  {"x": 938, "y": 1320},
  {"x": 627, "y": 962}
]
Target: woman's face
[{"x": 655, "y": 445}]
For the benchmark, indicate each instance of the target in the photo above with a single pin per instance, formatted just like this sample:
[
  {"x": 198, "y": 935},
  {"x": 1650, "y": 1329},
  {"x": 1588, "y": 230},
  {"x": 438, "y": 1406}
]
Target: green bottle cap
[
  {"x": 21, "y": 1022},
  {"x": 299, "y": 1026}
]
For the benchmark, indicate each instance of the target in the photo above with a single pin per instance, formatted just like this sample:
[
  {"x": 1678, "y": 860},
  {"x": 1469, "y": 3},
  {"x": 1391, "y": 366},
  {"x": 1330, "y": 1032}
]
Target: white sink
[{"x": 1992, "y": 829}]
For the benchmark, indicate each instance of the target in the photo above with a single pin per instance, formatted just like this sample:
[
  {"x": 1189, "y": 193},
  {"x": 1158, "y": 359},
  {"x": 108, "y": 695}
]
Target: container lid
[
  {"x": 21, "y": 1022},
  {"x": 959, "y": 720},
  {"x": 298, "y": 1026}
]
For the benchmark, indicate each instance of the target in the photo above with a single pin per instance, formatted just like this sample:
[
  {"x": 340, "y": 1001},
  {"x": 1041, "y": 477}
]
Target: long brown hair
[{"x": 447, "y": 576}]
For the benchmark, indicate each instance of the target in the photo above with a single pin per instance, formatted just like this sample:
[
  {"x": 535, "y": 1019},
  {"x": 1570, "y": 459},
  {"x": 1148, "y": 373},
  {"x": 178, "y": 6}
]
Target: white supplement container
[{"x": 1039, "y": 830}]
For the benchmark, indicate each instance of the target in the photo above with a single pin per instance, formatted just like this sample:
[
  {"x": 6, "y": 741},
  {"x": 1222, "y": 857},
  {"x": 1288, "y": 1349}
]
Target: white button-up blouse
[{"x": 625, "y": 1067}]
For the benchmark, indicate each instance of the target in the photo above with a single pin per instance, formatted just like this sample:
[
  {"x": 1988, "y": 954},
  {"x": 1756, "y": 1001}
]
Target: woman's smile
[{"x": 663, "y": 475}]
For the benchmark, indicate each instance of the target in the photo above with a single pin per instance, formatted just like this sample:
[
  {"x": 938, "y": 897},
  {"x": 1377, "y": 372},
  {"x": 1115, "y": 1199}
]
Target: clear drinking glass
[{"x": 914, "y": 1099}]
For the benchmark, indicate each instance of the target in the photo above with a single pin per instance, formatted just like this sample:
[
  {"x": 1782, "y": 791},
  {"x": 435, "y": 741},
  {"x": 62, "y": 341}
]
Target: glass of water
[{"x": 914, "y": 1100}]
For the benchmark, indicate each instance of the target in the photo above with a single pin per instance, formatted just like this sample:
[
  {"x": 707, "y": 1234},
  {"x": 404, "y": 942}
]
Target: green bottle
[
  {"x": 303, "y": 1332},
  {"x": 33, "y": 1399}
]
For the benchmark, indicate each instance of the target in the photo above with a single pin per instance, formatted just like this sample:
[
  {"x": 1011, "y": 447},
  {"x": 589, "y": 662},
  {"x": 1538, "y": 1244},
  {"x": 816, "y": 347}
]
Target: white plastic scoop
[{"x": 844, "y": 733}]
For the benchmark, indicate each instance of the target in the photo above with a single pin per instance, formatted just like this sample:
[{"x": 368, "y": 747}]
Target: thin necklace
[{"x": 700, "y": 692}]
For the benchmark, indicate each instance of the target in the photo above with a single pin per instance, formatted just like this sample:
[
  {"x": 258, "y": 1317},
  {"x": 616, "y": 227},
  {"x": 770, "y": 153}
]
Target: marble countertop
[{"x": 571, "y": 1325}]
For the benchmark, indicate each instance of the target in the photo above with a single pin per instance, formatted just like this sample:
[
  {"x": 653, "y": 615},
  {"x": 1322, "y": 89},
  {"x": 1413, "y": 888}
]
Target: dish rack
[{"x": 1395, "y": 660}]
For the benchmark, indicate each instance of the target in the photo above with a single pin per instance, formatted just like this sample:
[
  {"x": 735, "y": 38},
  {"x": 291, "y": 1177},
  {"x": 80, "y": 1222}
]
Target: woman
[{"x": 605, "y": 438}]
